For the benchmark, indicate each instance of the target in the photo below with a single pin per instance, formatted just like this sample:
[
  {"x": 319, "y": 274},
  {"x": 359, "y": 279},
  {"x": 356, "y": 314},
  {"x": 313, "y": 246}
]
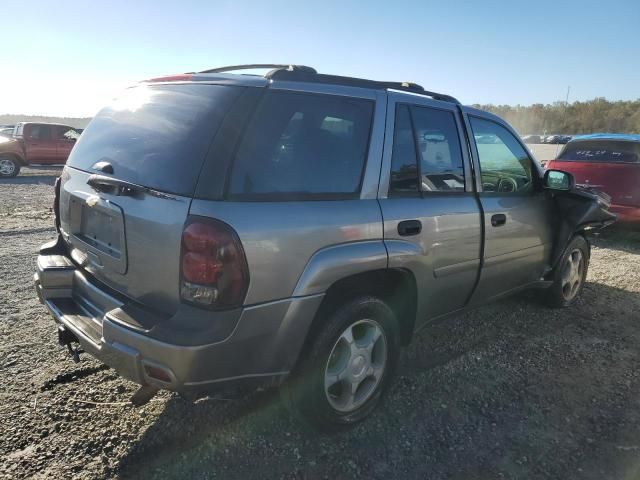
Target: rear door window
[
  {"x": 404, "y": 161},
  {"x": 156, "y": 135},
  {"x": 303, "y": 146},
  {"x": 66, "y": 133},
  {"x": 441, "y": 164},
  {"x": 40, "y": 132},
  {"x": 434, "y": 134},
  {"x": 601, "y": 151}
]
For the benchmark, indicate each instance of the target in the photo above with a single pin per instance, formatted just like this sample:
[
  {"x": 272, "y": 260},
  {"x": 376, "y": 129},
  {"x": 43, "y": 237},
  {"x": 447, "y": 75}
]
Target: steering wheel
[{"x": 507, "y": 185}]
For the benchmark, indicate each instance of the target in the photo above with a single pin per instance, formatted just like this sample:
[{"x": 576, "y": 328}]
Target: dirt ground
[{"x": 514, "y": 390}]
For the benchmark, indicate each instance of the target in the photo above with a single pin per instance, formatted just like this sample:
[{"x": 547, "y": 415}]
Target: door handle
[
  {"x": 407, "y": 228},
  {"x": 498, "y": 219}
]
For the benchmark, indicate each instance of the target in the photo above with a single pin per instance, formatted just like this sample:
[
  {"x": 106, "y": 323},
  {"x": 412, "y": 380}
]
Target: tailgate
[
  {"x": 126, "y": 189},
  {"x": 131, "y": 244}
]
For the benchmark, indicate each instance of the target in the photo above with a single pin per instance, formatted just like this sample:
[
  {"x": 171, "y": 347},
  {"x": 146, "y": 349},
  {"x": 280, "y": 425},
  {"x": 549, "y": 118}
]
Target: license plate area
[
  {"x": 101, "y": 228},
  {"x": 97, "y": 237}
]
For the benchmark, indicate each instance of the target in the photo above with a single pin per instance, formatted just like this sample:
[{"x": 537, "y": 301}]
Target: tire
[
  {"x": 570, "y": 274},
  {"x": 9, "y": 167},
  {"x": 315, "y": 392}
]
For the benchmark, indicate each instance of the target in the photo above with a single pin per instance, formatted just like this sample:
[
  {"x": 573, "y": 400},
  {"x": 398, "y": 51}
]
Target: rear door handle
[
  {"x": 407, "y": 228},
  {"x": 498, "y": 219}
]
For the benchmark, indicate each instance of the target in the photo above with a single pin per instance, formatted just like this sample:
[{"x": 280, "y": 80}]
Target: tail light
[{"x": 213, "y": 267}]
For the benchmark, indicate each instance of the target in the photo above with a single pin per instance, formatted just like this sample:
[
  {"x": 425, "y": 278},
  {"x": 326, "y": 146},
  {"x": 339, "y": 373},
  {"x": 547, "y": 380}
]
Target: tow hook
[
  {"x": 143, "y": 395},
  {"x": 68, "y": 339}
]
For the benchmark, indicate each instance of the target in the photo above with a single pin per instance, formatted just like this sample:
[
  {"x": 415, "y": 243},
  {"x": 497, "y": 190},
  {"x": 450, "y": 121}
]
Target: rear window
[
  {"x": 301, "y": 145},
  {"x": 601, "y": 151},
  {"x": 156, "y": 135}
]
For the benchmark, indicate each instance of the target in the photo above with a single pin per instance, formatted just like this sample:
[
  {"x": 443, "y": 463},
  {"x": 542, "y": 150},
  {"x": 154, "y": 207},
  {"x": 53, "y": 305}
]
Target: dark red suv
[{"x": 36, "y": 143}]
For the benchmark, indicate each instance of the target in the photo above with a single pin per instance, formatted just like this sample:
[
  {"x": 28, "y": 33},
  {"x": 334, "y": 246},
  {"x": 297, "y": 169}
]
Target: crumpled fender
[{"x": 579, "y": 209}]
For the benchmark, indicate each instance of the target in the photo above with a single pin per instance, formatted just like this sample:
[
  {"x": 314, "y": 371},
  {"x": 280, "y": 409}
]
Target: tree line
[
  {"x": 11, "y": 119},
  {"x": 597, "y": 115}
]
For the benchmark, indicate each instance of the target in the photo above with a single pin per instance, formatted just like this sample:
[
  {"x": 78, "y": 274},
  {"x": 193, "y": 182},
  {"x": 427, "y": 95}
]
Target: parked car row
[
  {"x": 556, "y": 139},
  {"x": 6, "y": 130},
  {"x": 553, "y": 139},
  {"x": 29, "y": 143}
]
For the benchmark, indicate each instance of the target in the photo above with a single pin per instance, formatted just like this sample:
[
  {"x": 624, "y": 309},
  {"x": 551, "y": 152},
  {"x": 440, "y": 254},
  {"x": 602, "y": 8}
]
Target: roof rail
[
  {"x": 273, "y": 66},
  {"x": 303, "y": 73},
  {"x": 441, "y": 96}
]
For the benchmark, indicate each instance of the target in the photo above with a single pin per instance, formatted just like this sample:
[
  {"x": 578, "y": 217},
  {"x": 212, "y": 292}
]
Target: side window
[
  {"x": 404, "y": 165},
  {"x": 435, "y": 134},
  {"x": 300, "y": 144},
  {"x": 505, "y": 166},
  {"x": 40, "y": 132},
  {"x": 440, "y": 153},
  {"x": 66, "y": 133}
]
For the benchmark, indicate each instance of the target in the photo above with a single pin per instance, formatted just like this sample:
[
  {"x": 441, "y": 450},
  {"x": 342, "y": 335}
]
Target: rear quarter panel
[{"x": 280, "y": 238}]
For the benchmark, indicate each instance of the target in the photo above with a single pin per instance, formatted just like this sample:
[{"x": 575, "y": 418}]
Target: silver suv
[{"x": 220, "y": 229}]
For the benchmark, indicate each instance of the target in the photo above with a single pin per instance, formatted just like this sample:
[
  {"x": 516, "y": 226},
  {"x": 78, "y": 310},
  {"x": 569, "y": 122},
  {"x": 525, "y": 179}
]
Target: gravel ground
[{"x": 514, "y": 390}]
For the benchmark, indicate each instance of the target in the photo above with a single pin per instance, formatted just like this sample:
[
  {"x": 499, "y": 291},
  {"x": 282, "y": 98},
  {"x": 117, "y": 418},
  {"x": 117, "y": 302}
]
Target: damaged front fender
[{"x": 579, "y": 209}]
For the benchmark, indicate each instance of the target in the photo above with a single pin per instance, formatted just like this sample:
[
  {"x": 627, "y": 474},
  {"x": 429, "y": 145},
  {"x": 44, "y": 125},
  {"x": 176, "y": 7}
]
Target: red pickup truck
[{"x": 36, "y": 143}]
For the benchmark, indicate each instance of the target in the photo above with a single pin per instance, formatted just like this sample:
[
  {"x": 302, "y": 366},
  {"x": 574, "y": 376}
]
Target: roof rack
[
  {"x": 273, "y": 66},
  {"x": 303, "y": 73}
]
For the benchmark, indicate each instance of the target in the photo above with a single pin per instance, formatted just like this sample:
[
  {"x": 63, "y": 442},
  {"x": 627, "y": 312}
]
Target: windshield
[
  {"x": 156, "y": 136},
  {"x": 601, "y": 151}
]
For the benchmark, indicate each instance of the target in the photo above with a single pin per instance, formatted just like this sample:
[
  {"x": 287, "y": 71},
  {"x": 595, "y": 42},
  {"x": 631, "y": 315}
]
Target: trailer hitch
[
  {"x": 75, "y": 351},
  {"x": 67, "y": 338}
]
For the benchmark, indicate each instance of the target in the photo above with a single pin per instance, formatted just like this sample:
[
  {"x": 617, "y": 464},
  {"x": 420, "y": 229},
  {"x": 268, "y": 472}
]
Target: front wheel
[
  {"x": 9, "y": 167},
  {"x": 570, "y": 274},
  {"x": 347, "y": 366}
]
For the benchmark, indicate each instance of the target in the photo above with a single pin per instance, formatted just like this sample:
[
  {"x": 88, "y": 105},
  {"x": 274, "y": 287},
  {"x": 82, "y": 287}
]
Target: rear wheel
[
  {"x": 570, "y": 274},
  {"x": 347, "y": 366},
  {"x": 9, "y": 167}
]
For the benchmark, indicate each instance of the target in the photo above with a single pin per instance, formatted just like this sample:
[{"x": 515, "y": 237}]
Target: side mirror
[{"x": 558, "y": 180}]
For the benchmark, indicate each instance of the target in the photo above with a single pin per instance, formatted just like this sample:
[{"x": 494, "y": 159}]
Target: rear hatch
[
  {"x": 127, "y": 187},
  {"x": 612, "y": 166}
]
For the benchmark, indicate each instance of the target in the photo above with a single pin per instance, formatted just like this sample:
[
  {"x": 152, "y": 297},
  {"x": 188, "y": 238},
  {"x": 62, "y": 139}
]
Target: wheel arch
[
  {"x": 15, "y": 156},
  {"x": 395, "y": 286}
]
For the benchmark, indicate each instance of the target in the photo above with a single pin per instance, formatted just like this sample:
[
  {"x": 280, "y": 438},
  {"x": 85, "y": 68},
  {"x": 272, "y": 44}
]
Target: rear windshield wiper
[
  {"x": 115, "y": 186},
  {"x": 102, "y": 183}
]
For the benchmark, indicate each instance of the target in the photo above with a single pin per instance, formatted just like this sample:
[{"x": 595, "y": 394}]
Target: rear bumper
[
  {"x": 262, "y": 347},
  {"x": 625, "y": 213}
]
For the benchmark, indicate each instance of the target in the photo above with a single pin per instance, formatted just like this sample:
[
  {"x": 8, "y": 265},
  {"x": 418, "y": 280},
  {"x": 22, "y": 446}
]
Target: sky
[{"x": 69, "y": 58}]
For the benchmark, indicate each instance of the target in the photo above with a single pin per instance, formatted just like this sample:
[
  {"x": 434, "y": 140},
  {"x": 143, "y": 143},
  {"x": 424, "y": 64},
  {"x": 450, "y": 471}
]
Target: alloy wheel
[
  {"x": 356, "y": 365},
  {"x": 572, "y": 274},
  {"x": 7, "y": 167}
]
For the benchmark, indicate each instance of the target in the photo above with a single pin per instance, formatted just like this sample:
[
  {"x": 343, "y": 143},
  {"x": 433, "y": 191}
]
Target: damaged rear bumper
[{"x": 258, "y": 347}]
